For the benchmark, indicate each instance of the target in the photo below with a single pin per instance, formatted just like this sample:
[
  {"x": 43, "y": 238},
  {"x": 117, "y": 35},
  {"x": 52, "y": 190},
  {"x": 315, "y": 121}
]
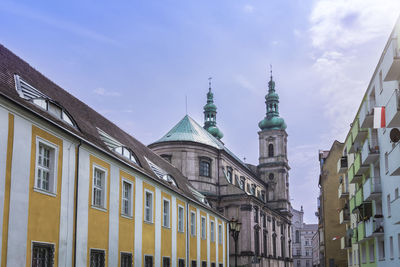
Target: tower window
[{"x": 270, "y": 150}]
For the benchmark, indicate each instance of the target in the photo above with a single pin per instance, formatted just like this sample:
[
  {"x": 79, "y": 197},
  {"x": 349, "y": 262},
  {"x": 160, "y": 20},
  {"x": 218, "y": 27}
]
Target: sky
[{"x": 136, "y": 62}]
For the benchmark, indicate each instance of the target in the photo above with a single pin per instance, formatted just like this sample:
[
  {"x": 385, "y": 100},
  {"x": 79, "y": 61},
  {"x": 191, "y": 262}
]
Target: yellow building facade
[{"x": 75, "y": 190}]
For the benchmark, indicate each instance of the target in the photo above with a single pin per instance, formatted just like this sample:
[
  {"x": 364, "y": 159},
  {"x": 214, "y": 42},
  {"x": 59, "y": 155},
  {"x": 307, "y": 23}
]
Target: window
[
  {"x": 307, "y": 253},
  {"x": 270, "y": 150},
  {"x": 205, "y": 169},
  {"x": 181, "y": 263},
  {"x": 308, "y": 263},
  {"x": 203, "y": 228},
  {"x": 167, "y": 157},
  {"x": 398, "y": 243},
  {"x": 126, "y": 198},
  {"x": 298, "y": 252},
  {"x": 306, "y": 242},
  {"x": 229, "y": 175},
  {"x": 180, "y": 219},
  {"x": 212, "y": 231},
  {"x": 256, "y": 215},
  {"x": 391, "y": 247},
  {"x": 194, "y": 264},
  {"x": 388, "y": 206},
  {"x": 364, "y": 253},
  {"x": 97, "y": 258},
  {"x": 386, "y": 162},
  {"x": 45, "y": 167},
  {"x": 351, "y": 258},
  {"x": 274, "y": 245},
  {"x": 242, "y": 182},
  {"x": 148, "y": 217},
  {"x": 381, "y": 249},
  {"x": 257, "y": 242},
  {"x": 203, "y": 264},
  {"x": 165, "y": 262},
  {"x": 42, "y": 255},
  {"x": 396, "y": 193},
  {"x": 298, "y": 263},
  {"x": 380, "y": 82},
  {"x": 148, "y": 261},
  {"x": 371, "y": 252},
  {"x": 126, "y": 153},
  {"x": 219, "y": 234},
  {"x": 126, "y": 259},
  {"x": 213, "y": 264},
  {"x": 99, "y": 184},
  {"x": 265, "y": 241},
  {"x": 166, "y": 211},
  {"x": 193, "y": 223}
]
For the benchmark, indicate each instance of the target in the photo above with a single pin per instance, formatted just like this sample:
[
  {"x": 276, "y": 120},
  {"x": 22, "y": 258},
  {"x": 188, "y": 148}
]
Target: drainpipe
[
  {"x": 76, "y": 198},
  {"x": 187, "y": 235}
]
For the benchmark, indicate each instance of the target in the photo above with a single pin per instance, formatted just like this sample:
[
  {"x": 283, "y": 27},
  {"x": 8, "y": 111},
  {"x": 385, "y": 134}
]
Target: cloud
[
  {"x": 102, "y": 92},
  {"x": 343, "y": 23},
  {"x": 26, "y": 12},
  {"x": 248, "y": 8}
]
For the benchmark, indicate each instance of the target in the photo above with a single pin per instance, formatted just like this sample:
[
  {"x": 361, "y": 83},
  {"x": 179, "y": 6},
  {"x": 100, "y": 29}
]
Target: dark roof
[{"x": 87, "y": 120}]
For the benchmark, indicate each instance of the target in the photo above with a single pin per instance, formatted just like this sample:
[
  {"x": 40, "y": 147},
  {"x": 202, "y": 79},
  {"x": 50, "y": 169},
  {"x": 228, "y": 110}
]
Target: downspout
[
  {"x": 76, "y": 198},
  {"x": 187, "y": 235}
]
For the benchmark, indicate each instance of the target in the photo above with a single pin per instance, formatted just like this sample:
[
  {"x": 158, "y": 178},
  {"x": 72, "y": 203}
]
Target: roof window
[
  {"x": 33, "y": 95},
  {"x": 160, "y": 173}
]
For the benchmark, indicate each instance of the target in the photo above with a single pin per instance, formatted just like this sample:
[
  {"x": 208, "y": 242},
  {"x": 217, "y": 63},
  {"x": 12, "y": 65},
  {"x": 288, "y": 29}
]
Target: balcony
[
  {"x": 392, "y": 110},
  {"x": 393, "y": 161},
  {"x": 374, "y": 227},
  {"x": 359, "y": 197},
  {"x": 354, "y": 238},
  {"x": 372, "y": 188},
  {"x": 366, "y": 116},
  {"x": 344, "y": 216},
  {"x": 392, "y": 62},
  {"x": 359, "y": 168},
  {"x": 395, "y": 207},
  {"x": 359, "y": 134},
  {"x": 343, "y": 190},
  {"x": 345, "y": 243},
  {"x": 369, "y": 152},
  {"x": 352, "y": 203},
  {"x": 353, "y": 179},
  {"x": 342, "y": 165}
]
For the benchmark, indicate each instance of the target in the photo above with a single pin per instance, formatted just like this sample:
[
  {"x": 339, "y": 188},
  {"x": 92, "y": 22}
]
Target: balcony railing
[
  {"x": 342, "y": 165},
  {"x": 391, "y": 62},
  {"x": 361, "y": 231},
  {"x": 344, "y": 216},
  {"x": 374, "y": 227},
  {"x": 354, "y": 238},
  {"x": 366, "y": 116},
  {"x": 359, "y": 168},
  {"x": 345, "y": 242},
  {"x": 359, "y": 197},
  {"x": 353, "y": 179},
  {"x": 372, "y": 188},
  {"x": 393, "y": 160},
  {"x": 369, "y": 152},
  {"x": 358, "y": 134},
  {"x": 392, "y": 110},
  {"x": 395, "y": 207}
]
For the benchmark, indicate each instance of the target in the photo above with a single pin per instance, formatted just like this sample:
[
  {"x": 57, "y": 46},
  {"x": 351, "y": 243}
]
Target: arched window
[
  {"x": 229, "y": 174},
  {"x": 205, "y": 167},
  {"x": 270, "y": 150},
  {"x": 297, "y": 236}
]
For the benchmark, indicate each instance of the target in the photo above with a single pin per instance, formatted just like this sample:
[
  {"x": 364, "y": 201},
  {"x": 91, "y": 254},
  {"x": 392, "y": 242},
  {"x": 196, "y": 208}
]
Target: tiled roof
[
  {"x": 189, "y": 130},
  {"x": 87, "y": 120}
]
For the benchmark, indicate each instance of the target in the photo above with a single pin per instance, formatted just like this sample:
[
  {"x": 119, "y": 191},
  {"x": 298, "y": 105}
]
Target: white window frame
[
  {"x": 203, "y": 229},
  {"x": 181, "y": 227},
  {"x": 151, "y": 207},
  {"x": 104, "y": 190},
  {"x": 166, "y": 223},
  {"x": 53, "y": 172},
  {"x": 130, "y": 200},
  {"x": 220, "y": 236},
  {"x": 192, "y": 223},
  {"x": 212, "y": 231}
]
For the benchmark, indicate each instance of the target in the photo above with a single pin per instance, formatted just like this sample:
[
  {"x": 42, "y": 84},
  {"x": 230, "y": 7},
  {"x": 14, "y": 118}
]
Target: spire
[
  {"x": 272, "y": 120},
  {"x": 210, "y": 114}
]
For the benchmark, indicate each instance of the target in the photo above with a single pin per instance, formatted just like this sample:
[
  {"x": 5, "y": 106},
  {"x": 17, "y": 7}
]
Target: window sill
[
  {"x": 99, "y": 208},
  {"x": 181, "y": 232},
  {"x": 38, "y": 190},
  {"x": 166, "y": 227},
  {"x": 127, "y": 216},
  {"x": 148, "y": 222}
]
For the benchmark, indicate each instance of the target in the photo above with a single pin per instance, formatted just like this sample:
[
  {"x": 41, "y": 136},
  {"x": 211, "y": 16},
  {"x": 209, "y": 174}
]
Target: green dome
[
  {"x": 210, "y": 107},
  {"x": 215, "y": 132},
  {"x": 274, "y": 123},
  {"x": 272, "y": 96}
]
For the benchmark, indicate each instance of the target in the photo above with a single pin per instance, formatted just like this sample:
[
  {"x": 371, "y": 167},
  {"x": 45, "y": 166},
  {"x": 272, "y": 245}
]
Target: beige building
[{"x": 330, "y": 229}]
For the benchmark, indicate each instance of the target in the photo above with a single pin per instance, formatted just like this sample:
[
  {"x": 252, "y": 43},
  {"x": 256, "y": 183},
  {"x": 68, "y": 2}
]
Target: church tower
[
  {"x": 210, "y": 115},
  {"x": 273, "y": 165}
]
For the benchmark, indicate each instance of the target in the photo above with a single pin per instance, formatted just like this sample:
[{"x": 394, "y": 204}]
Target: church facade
[{"x": 256, "y": 195}]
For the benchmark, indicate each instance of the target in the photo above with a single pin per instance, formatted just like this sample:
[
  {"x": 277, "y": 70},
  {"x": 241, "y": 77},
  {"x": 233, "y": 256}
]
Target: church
[{"x": 255, "y": 196}]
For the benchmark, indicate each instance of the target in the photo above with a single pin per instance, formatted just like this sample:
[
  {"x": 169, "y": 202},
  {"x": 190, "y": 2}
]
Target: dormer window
[
  {"x": 127, "y": 153},
  {"x": 33, "y": 95},
  {"x": 161, "y": 174}
]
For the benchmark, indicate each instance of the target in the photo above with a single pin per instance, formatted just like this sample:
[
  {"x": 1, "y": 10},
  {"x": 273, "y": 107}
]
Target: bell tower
[
  {"x": 210, "y": 115},
  {"x": 273, "y": 165}
]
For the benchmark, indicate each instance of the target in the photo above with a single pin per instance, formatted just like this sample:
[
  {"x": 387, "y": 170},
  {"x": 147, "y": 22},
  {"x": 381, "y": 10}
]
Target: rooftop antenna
[{"x": 186, "y": 103}]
